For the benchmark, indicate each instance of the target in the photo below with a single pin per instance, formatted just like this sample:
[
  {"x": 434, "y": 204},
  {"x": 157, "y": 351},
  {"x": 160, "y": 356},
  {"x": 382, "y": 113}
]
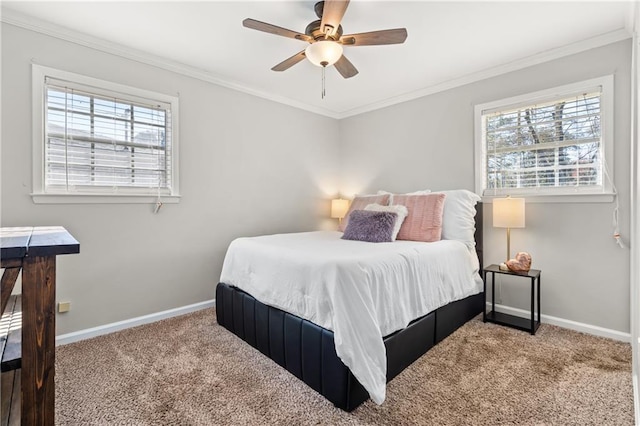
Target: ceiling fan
[{"x": 326, "y": 39}]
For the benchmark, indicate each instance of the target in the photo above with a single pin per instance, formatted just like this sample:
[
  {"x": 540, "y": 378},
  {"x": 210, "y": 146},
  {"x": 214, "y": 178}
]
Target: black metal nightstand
[{"x": 510, "y": 320}]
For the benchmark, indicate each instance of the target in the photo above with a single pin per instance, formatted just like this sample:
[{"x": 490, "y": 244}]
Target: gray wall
[
  {"x": 250, "y": 166},
  {"x": 247, "y": 166},
  {"x": 428, "y": 143}
]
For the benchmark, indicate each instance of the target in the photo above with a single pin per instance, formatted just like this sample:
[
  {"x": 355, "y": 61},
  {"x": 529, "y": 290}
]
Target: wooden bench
[
  {"x": 10, "y": 356},
  {"x": 28, "y": 348},
  {"x": 11, "y": 335}
]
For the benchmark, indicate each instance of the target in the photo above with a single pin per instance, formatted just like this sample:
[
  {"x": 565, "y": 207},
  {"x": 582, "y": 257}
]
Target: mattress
[{"x": 361, "y": 291}]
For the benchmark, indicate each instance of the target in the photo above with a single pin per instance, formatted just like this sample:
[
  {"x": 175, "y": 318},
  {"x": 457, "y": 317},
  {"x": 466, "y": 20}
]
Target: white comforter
[{"x": 361, "y": 291}]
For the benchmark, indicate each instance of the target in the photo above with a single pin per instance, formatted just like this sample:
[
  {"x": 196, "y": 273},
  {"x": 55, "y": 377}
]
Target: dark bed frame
[{"x": 308, "y": 351}]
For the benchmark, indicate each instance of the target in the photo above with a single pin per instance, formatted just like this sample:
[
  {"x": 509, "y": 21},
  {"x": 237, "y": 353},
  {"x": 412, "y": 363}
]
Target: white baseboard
[
  {"x": 565, "y": 323},
  {"x": 88, "y": 333}
]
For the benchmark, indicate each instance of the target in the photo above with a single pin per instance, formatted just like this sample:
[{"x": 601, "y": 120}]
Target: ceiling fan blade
[
  {"x": 272, "y": 29},
  {"x": 345, "y": 67},
  {"x": 395, "y": 36},
  {"x": 289, "y": 62},
  {"x": 332, "y": 14}
]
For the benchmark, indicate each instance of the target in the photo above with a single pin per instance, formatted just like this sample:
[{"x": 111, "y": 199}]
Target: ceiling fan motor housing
[
  {"x": 319, "y": 8},
  {"x": 313, "y": 30}
]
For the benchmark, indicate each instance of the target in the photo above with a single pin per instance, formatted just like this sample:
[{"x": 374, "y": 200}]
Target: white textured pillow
[
  {"x": 458, "y": 218},
  {"x": 401, "y": 211},
  {"x": 421, "y": 192}
]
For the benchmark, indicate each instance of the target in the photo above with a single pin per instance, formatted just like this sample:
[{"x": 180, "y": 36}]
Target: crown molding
[
  {"x": 549, "y": 55},
  {"x": 17, "y": 19},
  {"x": 24, "y": 21}
]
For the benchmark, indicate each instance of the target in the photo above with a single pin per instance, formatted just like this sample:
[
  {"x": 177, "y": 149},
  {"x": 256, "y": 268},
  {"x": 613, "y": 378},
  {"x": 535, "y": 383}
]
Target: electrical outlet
[{"x": 64, "y": 307}]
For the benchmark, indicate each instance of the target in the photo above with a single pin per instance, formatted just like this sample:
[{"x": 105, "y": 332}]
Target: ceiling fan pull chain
[{"x": 323, "y": 85}]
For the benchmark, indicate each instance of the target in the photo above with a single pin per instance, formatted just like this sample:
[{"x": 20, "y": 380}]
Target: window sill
[
  {"x": 564, "y": 198},
  {"x": 102, "y": 199}
]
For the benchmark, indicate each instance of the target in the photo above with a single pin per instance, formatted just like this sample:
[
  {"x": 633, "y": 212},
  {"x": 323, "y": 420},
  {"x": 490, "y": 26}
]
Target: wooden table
[{"x": 33, "y": 250}]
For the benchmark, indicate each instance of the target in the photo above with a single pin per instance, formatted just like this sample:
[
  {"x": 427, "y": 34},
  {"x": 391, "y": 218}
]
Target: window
[
  {"x": 100, "y": 141},
  {"x": 554, "y": 142}
]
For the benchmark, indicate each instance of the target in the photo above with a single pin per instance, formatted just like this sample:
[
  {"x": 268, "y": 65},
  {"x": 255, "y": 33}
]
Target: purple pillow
[{"x": 370, "y": 226}]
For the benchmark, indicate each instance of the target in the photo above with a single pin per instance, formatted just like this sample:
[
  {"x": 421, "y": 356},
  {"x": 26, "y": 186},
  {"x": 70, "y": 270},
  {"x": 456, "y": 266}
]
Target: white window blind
[
  {"x": 549, "y": 144},
  {"x": 96, "y": 140}
]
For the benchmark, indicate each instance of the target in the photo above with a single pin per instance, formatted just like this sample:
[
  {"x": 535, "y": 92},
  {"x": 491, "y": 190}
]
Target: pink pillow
[
  {"x": 424, "y": 221},
  {"x": 359, "y": 203}
]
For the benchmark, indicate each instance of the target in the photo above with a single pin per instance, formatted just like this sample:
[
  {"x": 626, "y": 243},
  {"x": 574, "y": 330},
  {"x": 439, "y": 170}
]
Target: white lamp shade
[
  {"x": 508, "y": 212},
  {"x": 323, "y": 53},
  {"x": 339, "y": 208}
]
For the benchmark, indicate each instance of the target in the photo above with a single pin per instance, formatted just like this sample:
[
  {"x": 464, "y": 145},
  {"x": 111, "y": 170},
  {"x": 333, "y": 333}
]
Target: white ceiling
[{"x": 447, "y": 41}]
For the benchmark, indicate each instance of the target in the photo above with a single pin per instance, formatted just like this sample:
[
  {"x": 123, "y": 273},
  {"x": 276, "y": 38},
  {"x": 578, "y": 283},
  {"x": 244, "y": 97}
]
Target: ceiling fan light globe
[{"x": 323, "y": 53}]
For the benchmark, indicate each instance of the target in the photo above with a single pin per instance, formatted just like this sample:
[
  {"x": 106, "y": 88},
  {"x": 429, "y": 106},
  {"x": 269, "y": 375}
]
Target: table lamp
[
  {"x": 339, "y": 208},
  {"x": 508, "y": 213}
]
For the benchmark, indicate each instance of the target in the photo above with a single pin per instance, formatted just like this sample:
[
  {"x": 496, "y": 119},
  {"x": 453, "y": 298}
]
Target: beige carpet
[{"x": 190, "y": 371}]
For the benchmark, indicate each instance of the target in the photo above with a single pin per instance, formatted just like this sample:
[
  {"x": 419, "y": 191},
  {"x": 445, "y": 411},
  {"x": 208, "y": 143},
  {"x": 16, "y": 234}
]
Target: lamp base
[{"x": 503, "y": 267}]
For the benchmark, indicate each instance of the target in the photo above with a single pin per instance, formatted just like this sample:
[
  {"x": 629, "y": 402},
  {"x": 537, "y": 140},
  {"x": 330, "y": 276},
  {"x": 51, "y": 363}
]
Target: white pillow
[
  {"x": 401, "y": 211},
  {"x": 422, "y": 192},
  {"x": 458, "y": 221}
]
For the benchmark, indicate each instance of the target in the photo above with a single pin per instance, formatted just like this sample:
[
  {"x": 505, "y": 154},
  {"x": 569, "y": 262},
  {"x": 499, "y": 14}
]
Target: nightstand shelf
[{"x": 525, "y": 324}]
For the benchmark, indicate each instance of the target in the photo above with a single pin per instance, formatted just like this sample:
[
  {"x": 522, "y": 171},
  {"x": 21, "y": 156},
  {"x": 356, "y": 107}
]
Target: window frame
[
  {"x": 605, "y": 84},
  {"x": 123, "y": 195}
]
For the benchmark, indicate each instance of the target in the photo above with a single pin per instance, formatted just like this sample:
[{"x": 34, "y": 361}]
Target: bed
[{"x": 335, "y": 350}]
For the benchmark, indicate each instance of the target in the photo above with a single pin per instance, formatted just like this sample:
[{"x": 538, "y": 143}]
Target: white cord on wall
[
  {"x": 615, "y": 221},
  {"x": 158, "y": 205}
]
